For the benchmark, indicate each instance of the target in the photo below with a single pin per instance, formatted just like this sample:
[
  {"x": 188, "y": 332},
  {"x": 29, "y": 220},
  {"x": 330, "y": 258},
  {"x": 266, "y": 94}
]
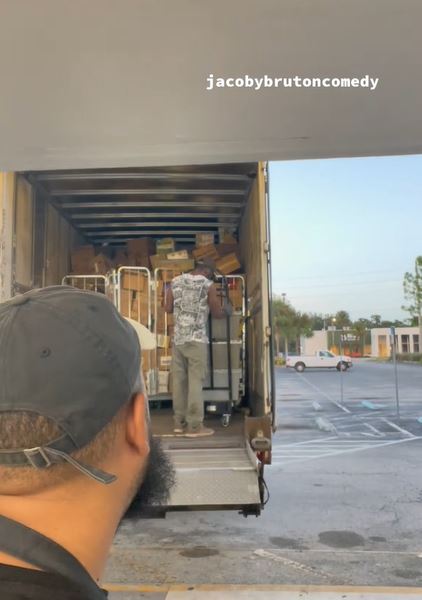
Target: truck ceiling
[
  {"x": 110, "y": 206},
  {"x": 120, "y": 84}
]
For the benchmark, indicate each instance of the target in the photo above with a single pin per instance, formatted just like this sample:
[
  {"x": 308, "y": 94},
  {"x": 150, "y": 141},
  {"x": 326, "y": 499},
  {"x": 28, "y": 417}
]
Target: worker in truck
[
  {"x": 76, "y": 452},
  {"x": 191, "y": 297}
]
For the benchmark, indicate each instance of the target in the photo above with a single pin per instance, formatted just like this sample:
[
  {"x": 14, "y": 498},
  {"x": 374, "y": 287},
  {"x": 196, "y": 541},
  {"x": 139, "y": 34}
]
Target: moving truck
[{"x": 44, "y": 215}]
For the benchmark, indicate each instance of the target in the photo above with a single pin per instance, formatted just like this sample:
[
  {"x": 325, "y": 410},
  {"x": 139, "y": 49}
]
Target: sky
[{"x": 344, "y": 232}]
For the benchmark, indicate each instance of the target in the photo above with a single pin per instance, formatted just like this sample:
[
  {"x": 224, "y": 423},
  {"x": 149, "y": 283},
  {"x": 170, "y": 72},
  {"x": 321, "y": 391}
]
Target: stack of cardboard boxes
[
  {"x": 85, "y": 260},
  {"x": 146, "y": 305}
]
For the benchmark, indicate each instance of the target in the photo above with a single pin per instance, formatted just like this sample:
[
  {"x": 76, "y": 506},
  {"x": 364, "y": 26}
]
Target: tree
[
  {"x": 412, "y": 285},
  {"x": 360, "y": 327},
  {"x": 342, "y": 319},
  {"x": 289, "y": 324},
  {"x": 317, "y": 322},
  {"x": 376, "y": 320}
]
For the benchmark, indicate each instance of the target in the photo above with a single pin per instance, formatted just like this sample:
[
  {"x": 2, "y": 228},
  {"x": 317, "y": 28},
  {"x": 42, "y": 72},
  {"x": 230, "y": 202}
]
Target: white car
[{"x": 322, "y": 359}]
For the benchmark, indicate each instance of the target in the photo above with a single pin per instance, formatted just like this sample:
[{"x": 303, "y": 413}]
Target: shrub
[{"x": 410, "y": 357}]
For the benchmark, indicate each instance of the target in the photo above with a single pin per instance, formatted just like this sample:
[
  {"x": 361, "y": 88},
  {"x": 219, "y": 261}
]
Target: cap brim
[{"x": 146, "y": 337}]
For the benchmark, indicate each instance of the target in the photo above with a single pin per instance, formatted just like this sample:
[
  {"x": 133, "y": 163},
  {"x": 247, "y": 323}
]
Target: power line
[{"x": 348, "y": 283}]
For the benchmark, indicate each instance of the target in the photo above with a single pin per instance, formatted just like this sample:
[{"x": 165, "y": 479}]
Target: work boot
[{"x": 201, "y": 431}]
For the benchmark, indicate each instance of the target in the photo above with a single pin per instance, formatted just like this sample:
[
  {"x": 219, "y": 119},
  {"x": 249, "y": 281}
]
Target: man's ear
[{"x": 137, "y": 425}]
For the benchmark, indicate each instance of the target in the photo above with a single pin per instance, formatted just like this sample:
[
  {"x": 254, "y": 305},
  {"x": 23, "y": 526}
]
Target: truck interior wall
[
  {"x": 253, "y": 238},
  {"x": 54, "y": 238},
  {"x": 24, "y": 236},
  {"x": 35, "y": 240},
  {"x": 7, "y": 193}
]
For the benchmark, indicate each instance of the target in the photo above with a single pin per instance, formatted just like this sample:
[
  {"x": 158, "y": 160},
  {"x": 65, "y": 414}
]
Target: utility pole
[
  {"x": 396, "y": 378},
  {"x": 341, "y": 369}
]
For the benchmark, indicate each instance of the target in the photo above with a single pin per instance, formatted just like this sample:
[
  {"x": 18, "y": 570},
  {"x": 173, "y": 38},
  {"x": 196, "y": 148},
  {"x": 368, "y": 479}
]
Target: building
[
  {"x": 407, "y": 340},
  {"x": 337, "y": 341},
  {"x": 377, "y": 342}
]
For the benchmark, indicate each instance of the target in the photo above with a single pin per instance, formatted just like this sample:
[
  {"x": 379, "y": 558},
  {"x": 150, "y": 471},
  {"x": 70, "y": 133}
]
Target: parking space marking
[
  {"x": 285, "y": 458},
  {"x": 344, "y": 408},
  {"x": 394, "y": 426}
]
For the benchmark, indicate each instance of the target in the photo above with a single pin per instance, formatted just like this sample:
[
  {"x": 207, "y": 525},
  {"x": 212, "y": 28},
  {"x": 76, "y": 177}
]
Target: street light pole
[
  {"x": 396, "y": 377},
  {"x": 341, "y": 368}
]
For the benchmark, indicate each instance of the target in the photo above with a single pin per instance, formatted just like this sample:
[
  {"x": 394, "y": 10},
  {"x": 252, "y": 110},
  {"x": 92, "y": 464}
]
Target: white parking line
[
  {"x": 360, "y": 448},
  {"x": 326, "y": 395},
  {"x": 374, "y": 429},
  {"x": 394, "y": 426}
]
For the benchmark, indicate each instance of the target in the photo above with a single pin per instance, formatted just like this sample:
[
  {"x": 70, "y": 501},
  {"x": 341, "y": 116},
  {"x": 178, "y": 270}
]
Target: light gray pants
[{"x": 189, "y": 368}]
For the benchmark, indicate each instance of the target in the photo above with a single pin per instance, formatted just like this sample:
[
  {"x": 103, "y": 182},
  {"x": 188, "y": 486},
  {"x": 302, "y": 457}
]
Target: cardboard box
[
  {"x": 165, "y": 245},
  {"x": 203, "y": 252},
  {"x": 140, "y": 309},
  {"x": 142, "y": 260},
  {"x": 140, "y": 247},
  {"x": 228, "y": 264},
  {"x": 135, "y": 280},
  {"x": 165, "y": 362},
  {"x": 224, "y": 249},
  {"x": 126, "y": 300},
  {"x": 163, "y": 381},
  {"x": 121, "y": 259},
  {"x": 236, "y": 298},
  {"x": 204, "y": 239},
  {"x": 179, "y": 255},
  {"x": 158, "y": 261},
  {"x": 82, "y": 260},
  {"x": 163, "y": 341},
  {"x": 102, "y": 264},
  {"x": 226, "y": 236},
  {"x": 164, "y": 358},
  {"x": 168, "y": 276},
  {"x": 162, "y": 323},
  {"x": 139, "y": 313}
]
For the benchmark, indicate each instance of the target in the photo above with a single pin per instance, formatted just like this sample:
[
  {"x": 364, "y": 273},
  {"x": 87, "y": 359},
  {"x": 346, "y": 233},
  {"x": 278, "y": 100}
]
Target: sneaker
[{"x": 200, "y": 431}]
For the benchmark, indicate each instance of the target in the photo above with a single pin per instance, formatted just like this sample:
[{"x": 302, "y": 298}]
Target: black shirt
[{"x": 27, "y": 584}]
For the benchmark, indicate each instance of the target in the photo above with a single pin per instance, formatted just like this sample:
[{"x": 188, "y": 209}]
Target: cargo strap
[{"x": 35, "y": 549}]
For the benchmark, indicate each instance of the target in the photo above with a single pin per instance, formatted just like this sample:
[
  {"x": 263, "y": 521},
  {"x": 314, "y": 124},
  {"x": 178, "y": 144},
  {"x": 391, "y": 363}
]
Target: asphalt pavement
[{"x": 345, "y": 505}]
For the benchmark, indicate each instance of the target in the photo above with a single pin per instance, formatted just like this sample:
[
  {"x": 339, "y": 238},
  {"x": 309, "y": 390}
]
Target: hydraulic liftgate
[{"x": 218, "y": 473}]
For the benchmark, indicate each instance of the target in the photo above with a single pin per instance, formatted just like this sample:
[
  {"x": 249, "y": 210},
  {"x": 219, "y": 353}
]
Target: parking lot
[{"x": 346, "y": 497}]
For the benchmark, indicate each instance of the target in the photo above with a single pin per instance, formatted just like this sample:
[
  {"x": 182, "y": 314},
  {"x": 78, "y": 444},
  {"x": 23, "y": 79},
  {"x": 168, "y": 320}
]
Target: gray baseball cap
[{"x": 68, "y": 355}]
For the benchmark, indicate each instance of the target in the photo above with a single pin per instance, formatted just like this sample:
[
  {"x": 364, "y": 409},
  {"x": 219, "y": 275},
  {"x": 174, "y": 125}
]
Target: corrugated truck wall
[
  {"x": 60, "y": 239},
  {"x": 24, "y": 236},
  {"x": 252, "y": 240},
  {"x": 7, "y": 194}
]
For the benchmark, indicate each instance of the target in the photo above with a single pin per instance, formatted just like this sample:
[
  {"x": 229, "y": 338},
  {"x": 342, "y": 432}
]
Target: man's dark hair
[{"x": 206, "y": 267}]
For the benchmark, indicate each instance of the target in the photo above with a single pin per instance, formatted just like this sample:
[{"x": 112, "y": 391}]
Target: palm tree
[{"x": 289, "y": 324}]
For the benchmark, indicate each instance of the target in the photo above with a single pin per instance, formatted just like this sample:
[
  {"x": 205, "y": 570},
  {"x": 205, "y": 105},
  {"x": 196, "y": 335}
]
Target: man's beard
[{"x": 154, "y": 489}]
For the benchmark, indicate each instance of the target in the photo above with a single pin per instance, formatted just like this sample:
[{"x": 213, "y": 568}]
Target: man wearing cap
[
  {"x": 191, "y": 297},
  {"x": 76, "y": 453}
]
